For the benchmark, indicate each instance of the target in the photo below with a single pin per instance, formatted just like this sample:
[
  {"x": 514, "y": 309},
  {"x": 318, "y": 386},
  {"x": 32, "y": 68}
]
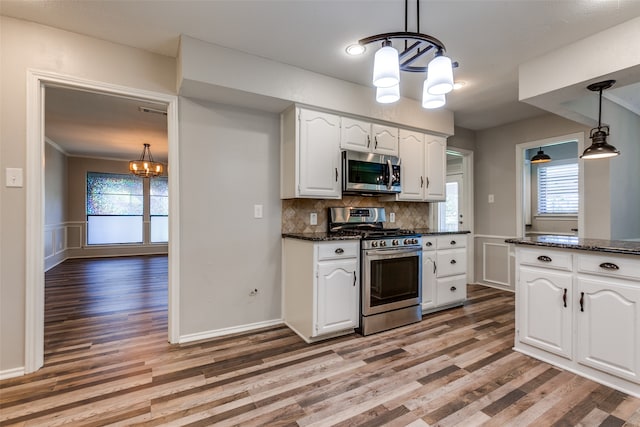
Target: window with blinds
[{"x": 558, "y": 188}]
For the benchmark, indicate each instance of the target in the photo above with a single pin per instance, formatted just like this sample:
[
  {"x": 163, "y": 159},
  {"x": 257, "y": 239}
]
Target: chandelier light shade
[
  {"x": 146, "y": 167},
  {"x": 388, "y": 62},
  {"x": 439, "y": 75},
  {"x": 388, "y": 95},
  {"x": 430, "y": 101},
  {"x": 541, "y": 157},
  {"x": 599, "y": 148},
  {"x": 386, "y": 68}
]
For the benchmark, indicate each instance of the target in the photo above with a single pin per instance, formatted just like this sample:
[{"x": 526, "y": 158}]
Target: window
[
  {"x": 115, "y": 208},
  {"x": 159, "y": 209},
  {"x": 558, "y": 188}
]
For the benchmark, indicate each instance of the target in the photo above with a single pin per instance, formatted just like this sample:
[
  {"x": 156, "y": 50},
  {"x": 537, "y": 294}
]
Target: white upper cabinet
[
  {"x": 436, "y": 168},
  {"x": 310, "y": 155},
  {"x": 360, "y": 135},
  {"x": 423, "y": 167}
]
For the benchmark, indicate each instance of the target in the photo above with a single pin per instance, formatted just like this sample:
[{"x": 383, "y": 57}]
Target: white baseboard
[
  {"x": 228, "y": 331},
  {"x": 12, "y": 373}
]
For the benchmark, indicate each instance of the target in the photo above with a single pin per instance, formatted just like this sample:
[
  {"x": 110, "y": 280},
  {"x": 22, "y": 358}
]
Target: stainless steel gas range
[{"x": 390, "y": 269}]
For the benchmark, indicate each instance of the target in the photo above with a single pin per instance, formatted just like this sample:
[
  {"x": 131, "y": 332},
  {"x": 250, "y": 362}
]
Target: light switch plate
[
  {"x": 14, "y": 177},
  {"x": 257, "y": 211},
  {"x": 392, "y": 217},
  {"x": 491, "y": 198}
]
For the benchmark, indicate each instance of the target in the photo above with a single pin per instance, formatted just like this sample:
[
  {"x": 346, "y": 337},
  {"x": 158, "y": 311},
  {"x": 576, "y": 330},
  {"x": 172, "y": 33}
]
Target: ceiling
[{"x": 488, "y": 38}]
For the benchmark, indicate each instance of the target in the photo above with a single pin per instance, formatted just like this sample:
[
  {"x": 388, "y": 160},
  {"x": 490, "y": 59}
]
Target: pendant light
[
  {"x": 599, "y": 148},
  {"x": 430, "y": 101},
  {"x": 145, "y": 167},
  {"x": 541, "y": 157},
  {"x": 388, "y": 95},
  {"x": 388, "y": 62}
]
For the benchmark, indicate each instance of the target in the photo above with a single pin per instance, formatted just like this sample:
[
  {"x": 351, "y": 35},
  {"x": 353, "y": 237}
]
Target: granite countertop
[
  {"x": 572, "y": 242},
  {"x": 324, "y": 236}
]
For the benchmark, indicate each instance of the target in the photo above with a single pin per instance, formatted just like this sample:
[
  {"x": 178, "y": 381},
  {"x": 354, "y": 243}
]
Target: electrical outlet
[
  {"x": 392, "y": 217},
  {"x": 313, "y": 218},
  {"x": 257, "y": 211}
]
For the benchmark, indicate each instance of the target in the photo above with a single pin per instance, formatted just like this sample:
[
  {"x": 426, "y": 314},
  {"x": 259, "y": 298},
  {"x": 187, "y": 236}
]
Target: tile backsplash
[{"x": 295, "y": 213}]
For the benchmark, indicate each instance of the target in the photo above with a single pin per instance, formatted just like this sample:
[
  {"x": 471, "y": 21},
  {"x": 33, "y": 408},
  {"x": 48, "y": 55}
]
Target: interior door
[{"x": 452, "y": 212}]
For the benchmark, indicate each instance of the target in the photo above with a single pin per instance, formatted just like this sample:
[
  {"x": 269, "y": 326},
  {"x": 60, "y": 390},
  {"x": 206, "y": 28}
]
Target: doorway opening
[{"x": 37, "y": 82}]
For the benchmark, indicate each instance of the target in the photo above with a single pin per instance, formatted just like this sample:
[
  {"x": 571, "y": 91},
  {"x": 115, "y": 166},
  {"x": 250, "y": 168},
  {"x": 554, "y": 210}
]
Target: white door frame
[
  {"x": 520, "y": 152},
  {"x": 467, "y": 171},
  {"x": 34, "y": 298}
]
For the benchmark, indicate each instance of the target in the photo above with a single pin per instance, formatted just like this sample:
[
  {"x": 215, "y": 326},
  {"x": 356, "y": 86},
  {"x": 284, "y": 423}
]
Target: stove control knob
[
  {"x": 395, "y": 242},
  {"x": 383, "y": 243},
  {"x": 414, "y": 241},
  {"x": 407, "y": 241},
  {"x": 374, "y": 244}
]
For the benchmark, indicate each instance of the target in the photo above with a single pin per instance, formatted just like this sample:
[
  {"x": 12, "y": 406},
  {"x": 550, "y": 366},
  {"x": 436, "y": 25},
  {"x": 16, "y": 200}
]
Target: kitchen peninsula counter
[{"x": 572, "y": 242}]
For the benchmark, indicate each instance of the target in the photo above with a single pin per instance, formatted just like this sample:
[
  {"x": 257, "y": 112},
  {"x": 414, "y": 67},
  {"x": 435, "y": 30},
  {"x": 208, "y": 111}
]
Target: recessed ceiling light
[
  {"x": 355, "y": 49},
  {"x": 459, "y": 84}
]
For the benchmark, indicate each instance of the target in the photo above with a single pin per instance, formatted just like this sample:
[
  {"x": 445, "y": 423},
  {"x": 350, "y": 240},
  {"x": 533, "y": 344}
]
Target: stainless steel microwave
[{"x": 368, "y": 173}]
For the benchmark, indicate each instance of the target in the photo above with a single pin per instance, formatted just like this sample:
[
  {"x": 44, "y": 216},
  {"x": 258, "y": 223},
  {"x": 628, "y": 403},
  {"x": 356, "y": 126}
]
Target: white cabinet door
[
  {"x": 319, "y": 162},
  {"x": 608, "y": 326},
  {"x": 411, "y": 145},
  {"x": 435, "y": 168},
  {"x": 337, "y": 296},
  {"x": 385, "y": 139},
  {"x": 544, "y": 320},
  {"x": 428, "y": 279},
  {"x": 355, "y": 135}
]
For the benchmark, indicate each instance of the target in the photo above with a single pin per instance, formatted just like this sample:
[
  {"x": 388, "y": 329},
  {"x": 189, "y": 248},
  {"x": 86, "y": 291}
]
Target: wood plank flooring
[{"x": 107, "y": 362}]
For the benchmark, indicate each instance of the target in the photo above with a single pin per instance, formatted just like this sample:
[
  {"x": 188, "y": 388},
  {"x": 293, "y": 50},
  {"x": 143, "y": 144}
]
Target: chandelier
[
  {"x": 388, "y": 63},
  {"x": 599, "y": 148},
  {"x": 146, "y": 167}
]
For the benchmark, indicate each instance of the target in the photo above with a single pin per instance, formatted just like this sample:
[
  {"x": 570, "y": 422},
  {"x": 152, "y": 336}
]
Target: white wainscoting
[{"x": 494, "y": 262}]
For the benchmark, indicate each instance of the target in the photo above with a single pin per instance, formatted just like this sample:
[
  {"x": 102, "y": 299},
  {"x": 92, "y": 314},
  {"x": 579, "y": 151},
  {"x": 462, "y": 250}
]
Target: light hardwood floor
[{"x": 107, "y": 362}]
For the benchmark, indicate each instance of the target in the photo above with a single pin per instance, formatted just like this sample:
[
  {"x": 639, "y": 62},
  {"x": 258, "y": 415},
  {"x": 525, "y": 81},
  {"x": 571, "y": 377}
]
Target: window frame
[{"x": 553, "y": 163}]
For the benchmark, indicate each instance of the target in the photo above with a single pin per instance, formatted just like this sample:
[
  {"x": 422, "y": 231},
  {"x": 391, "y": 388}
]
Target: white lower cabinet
[
  {"x": 321, "y": 287},
  {"x": 444, "y": 271},
  {"x": 545, "y": 309},
  {"x": 581, "y": 312},
  {"x": 608, "y": 326}
]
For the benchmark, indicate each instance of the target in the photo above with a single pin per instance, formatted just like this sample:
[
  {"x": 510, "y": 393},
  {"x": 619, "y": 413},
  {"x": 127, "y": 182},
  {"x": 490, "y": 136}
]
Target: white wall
[
  {"x": 24, "y": 46},
  {"x": 229, "y": 161},
  {"x": 55, "y": 207}
]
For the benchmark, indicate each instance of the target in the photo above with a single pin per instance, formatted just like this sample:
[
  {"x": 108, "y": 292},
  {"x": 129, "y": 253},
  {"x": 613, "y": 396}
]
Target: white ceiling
[{"x": 488, "y": 38}]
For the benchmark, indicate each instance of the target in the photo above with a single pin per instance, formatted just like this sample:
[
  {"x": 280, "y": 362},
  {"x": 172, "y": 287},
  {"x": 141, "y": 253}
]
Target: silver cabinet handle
[
  {"x": 375, "y": 138},
  {"x": 609, "y": 266},
  {"x": 544, "y": 258},
  {"x": 421, "y": 182},
  {"x": 339, "y": 251},
  {"x": 453, "y": 242},
  {"x": 354, "y": 278},
  {"x": 453, "y": 289},
  {"x": 453, "y": 261},
  {"x": 336, "y": 174},
  {"x": 428, "y": 244},
  {"x": 368, "y": 141}
]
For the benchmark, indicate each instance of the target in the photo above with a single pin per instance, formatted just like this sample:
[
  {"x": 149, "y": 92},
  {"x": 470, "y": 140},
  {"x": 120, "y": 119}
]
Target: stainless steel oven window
[{"x": 391, "y": 279}]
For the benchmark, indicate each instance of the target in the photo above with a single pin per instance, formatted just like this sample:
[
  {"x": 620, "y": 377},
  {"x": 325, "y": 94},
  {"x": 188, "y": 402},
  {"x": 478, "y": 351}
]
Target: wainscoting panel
[{"x": 493, "y": 262}]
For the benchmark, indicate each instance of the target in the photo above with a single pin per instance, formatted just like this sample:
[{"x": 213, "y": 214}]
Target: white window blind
[{"x": 558, "y": 188}]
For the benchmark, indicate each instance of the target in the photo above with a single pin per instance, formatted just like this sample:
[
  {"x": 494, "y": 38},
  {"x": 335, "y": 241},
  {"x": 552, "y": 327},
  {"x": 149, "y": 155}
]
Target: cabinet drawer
[
  {"x": 451, "y": 262},
  {"x": 611, "y": 266},
  {"x": 545, "y": 258},
  {"x": 451, "y": 289},
  {"x": 337, "y": 250},
  {"x": 451, "y": 241},
  {"x": 429, "y": 243}
]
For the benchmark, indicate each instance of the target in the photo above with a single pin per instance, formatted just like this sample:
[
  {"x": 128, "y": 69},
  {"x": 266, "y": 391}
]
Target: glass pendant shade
[
  {"x": 541, "y": 157},
  {"x": 431, "y": 101},
  {"x": 386, "y": 66},
  {"x": 388, "y": 95},
  {"x": 440, "y": 75}
]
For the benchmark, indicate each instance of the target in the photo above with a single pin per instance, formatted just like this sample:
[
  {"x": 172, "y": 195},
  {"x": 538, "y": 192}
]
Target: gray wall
[
  {"x": 495, "y": 173},
  {"x": 55, "y": 207},
  {"x": 31, "y": 46},
  {"x": 229, "y": 161}
]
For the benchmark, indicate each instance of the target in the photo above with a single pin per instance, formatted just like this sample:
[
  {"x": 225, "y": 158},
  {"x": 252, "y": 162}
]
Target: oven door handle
[{"x": 392, "y": 252}]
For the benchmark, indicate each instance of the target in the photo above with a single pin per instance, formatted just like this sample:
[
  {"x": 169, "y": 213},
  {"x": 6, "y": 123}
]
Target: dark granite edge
[
  {"x": 587, "y": 245},
  {"x": 326, "y": 237}
]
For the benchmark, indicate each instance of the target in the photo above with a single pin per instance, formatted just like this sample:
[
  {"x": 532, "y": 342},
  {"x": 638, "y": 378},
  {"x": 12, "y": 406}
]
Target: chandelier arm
[
  {"x": 414, "y": 57},
  {"x": 409, "y": 49},
  {"x": 404, "y": 36}
]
